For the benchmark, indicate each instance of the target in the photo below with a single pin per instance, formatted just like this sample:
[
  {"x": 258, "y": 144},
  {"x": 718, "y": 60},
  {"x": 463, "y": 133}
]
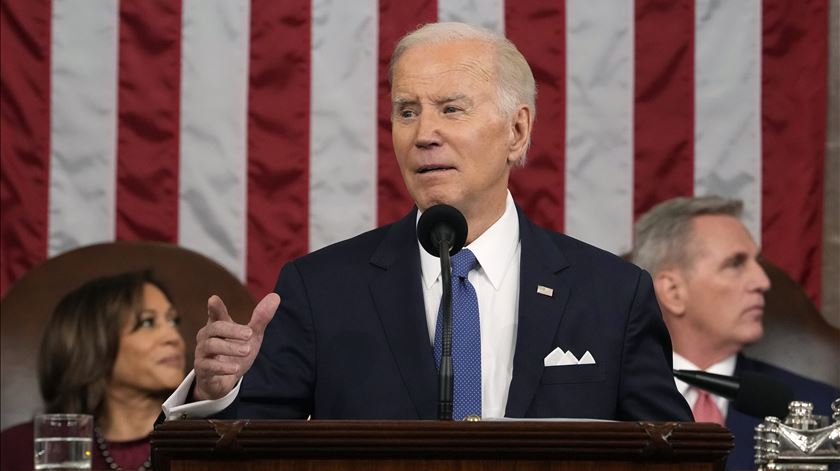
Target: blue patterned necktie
[{"x": 466, "y": 338}]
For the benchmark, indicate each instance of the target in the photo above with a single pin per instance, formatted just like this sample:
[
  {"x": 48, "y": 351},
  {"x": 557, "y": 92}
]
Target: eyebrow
[
  {"x": 402, "y": 101},
  {"x": 451, "y": 98},
  {"x": 737, "y": 258},
  {"x": 153, "y": 312}
]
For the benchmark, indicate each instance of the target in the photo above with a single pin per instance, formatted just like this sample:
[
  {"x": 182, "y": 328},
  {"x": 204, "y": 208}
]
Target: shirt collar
[
  {"x": 725, "y": 367},
  {"x": 493, "y": 249}
]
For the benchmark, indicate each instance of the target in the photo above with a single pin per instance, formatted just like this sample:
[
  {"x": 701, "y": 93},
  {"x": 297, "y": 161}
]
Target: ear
[
  {"x": 670, "y": 287},
  {"x": 520, "y": 133}
]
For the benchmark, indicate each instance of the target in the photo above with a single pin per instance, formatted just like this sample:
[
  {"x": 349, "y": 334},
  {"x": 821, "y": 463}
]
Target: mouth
[
  {"x": 756, "y": 309},
  {"x": 176, "y": 361},
  {"x": 433, "y": 168}
]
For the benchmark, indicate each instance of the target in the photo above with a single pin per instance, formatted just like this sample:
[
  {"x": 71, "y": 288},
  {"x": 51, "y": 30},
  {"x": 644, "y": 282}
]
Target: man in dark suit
[
  {"x": 711, "y": 289},
  {"x": 566, "y": 330}
]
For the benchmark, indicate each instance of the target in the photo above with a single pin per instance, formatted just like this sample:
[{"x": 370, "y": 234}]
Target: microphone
[
  {"x": 442, "y": 231},
  {"x": 442, "y": 223},
  {"x": 753, "y": 393}
]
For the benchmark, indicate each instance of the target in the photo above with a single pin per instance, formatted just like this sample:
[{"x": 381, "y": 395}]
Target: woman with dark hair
[{"x": 112, "y": 349}]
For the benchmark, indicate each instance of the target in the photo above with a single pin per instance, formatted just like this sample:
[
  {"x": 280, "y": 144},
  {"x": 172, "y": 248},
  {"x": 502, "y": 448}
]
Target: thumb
[
  {"x": 216, "y": 310},
  {"x": 264, "y": 312}
]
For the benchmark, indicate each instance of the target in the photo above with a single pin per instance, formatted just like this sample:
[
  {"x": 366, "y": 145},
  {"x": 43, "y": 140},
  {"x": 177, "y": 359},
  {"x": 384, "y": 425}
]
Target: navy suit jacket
[
  {"x": 350, "y": 338},
  {"x": 743, "y": 426}
]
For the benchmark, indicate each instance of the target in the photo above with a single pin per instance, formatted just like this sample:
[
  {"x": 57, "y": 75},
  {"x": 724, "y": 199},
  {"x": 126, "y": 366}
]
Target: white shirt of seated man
[{"x": 725, "y": 367}]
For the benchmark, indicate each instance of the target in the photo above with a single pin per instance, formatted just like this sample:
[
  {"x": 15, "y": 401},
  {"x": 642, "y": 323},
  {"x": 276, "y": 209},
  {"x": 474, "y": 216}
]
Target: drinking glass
[{"x": 63, "y": 441}]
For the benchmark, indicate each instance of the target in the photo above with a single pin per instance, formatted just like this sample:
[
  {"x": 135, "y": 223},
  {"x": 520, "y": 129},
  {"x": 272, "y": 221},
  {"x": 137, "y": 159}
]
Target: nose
[
  {"x": 428, "y": 131},
  {"x": 760, "y": 281},
  {"x": 170, "y": 335}
]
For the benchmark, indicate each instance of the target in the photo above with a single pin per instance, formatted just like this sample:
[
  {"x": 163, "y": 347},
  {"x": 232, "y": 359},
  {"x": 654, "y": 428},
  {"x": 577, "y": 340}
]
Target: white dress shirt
[
  {"x": 496, "y": 284},
  {"x": 725, "y": 367}
]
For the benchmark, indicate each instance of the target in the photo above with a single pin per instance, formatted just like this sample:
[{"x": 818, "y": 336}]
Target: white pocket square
[{"x": 560, "y": 358}]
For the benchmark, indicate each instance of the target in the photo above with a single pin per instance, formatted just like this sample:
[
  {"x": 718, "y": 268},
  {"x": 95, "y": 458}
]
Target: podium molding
[{"x": 256, "y": 445}]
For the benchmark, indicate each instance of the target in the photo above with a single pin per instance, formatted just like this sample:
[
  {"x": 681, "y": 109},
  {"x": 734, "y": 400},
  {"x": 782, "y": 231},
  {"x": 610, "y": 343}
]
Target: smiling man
[
  {"x": 557, "y": 328},
  {"x": 709, "y": 283}
]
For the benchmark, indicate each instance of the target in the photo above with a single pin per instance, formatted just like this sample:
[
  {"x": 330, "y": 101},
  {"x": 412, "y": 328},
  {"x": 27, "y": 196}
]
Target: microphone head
[
  {"x": 721, "y": 385},
  {"x": 761, "y": 395},
  {"x": 752, "y": 393},
  {"x": 442, "y": 222}
]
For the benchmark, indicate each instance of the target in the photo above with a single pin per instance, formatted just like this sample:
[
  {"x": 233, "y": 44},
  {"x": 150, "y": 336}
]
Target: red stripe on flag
[
  {"x": 664, "y": 102},
  {"x": 278, "y": 138},
  {"x": 148, "y": 101},
  {"x": 396, "y": 18},
  {"x": 25, "y": 128},
  {"x": 793, "y": 122},
  {"x": 538, "y": 28}
]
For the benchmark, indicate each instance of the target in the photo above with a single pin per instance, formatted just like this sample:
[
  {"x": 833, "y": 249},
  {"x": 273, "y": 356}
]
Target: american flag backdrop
[{"x": 254, "y": 131}]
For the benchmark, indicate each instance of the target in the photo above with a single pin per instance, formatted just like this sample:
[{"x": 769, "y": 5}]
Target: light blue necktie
[{"x": 466, "y": 338}]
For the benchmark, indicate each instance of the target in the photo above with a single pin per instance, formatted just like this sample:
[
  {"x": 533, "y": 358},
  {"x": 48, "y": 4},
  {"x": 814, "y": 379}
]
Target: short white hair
[
  {"x": 663, "y": 234},
  {"x": 516, "y": 84}
]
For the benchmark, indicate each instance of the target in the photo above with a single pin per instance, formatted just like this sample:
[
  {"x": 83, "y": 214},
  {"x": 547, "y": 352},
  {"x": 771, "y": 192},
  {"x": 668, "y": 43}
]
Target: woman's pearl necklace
[{"x": 103, "y": 448}]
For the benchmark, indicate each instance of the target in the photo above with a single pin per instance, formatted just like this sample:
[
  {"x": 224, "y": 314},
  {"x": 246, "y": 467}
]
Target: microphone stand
[
  {"x": 442, "y": 230},
  {"x": 445, "y": 374}
]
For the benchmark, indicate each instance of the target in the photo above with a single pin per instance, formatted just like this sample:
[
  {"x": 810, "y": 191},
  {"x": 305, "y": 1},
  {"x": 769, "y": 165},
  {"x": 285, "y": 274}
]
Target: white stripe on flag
[
  {"x": 727, "y": 142},
  {"x": 489, "y": 13},
  {"x": 214, "y": 94},
  {"x": 342, "y": 182},
  {"x": 599, "y": 122},
  {"x": 83, "y": 128}
]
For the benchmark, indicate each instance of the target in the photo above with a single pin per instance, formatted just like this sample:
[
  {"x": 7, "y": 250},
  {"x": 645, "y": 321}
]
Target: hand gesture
[{"x": 225, "y": 350}]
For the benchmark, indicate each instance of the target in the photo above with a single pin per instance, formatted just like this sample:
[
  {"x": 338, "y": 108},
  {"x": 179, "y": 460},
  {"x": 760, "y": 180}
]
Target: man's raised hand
[{"x": 225, "y": 350}]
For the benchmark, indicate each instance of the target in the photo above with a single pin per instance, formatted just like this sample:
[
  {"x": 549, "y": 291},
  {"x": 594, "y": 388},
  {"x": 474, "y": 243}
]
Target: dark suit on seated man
[
  {"x": 561, "y": 329},
  {"x": 711, "y": 289}
]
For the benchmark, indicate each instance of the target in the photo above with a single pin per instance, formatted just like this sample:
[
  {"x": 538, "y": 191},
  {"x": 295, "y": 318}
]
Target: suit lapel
[
  {"x": 398, "y": 297},
  {"x": 539, "y": 314}
]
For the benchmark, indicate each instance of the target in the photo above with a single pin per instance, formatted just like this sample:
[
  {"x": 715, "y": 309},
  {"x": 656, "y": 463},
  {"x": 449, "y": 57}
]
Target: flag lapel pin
[{"x": 545, "y": 290}]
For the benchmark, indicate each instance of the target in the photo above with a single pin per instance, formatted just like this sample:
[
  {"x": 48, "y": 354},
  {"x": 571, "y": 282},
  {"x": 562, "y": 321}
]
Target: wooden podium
[{"x": 257, "y": 445}]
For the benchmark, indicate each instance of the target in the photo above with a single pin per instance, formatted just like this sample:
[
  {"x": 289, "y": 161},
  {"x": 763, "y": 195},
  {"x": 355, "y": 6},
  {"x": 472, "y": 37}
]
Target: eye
[
  {"x": 175, "y": 320},
  {"x": 407, "y": 114},
  {"x": 450, "y": 109},
  {"x": 144, "y": 322}
]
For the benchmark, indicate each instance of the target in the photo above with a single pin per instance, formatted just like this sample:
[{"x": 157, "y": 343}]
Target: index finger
[{"x": 216, "y": 310}]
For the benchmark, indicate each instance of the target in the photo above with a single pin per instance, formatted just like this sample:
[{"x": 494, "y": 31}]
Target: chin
[
  {"x": 752, "y": 335},
  {"x": 428, "y": 197},
  {"x": 427, "y": 201}
]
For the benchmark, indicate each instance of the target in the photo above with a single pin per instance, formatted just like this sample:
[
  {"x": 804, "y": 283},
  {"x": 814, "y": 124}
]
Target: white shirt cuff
[{"x": 175, "y": 406}]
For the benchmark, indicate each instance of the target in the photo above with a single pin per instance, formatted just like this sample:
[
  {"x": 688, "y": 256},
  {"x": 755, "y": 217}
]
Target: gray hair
[
  {"x": 516, "y": 81},
  {"x": 662, "y": 235}
]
